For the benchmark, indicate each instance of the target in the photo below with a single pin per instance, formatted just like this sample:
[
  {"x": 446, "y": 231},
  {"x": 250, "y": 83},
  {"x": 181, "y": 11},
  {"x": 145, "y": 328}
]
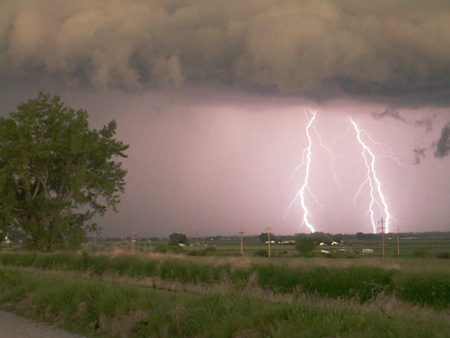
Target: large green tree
[
  {"x": 56, "y": 173},
  {"x": 177, "y": 239}
]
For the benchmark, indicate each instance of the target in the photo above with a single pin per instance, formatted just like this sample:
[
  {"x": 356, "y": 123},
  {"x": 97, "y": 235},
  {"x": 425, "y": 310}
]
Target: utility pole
[
  {"x": 382, "y": 221},
  {"x": 398, "y": 242},
  {"x": 242, "y": 241},
  {"x": 196, "y": 241},
  {"x": 133, "y": 241},
  {"x": 268, "y": 237}
]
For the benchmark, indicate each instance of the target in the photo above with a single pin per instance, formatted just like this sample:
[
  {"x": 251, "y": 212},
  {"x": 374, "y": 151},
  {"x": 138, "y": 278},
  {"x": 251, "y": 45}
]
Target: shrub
[
  {"x": 305, "y": 244},
  {"x": 176, "y": 238}
]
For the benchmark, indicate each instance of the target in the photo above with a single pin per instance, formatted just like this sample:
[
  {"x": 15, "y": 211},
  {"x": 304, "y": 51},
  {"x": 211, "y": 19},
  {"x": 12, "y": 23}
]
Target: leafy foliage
[
  {"x": 176, "y": 239},
  {"x": 305, "y": 244},
  {"x": 56, "y": 173},
  {"x": 264, "y": 237}
]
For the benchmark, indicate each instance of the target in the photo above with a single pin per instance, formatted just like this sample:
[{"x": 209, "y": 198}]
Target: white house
[{"x": 367, "y": 251}]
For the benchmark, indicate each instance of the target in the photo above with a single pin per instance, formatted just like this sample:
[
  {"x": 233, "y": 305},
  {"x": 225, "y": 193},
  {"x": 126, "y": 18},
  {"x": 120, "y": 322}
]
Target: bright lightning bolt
[
  {"x": 374, "y": 182},
  {"x": 305, "y": 187}
]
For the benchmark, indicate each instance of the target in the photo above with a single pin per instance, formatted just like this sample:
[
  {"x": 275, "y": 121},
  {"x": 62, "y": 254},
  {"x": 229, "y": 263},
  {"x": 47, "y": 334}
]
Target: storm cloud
[
  {"x": 443, "y": 144},
  {"x": 388, "y": 48},
  {"x": 389, "y": 113}
]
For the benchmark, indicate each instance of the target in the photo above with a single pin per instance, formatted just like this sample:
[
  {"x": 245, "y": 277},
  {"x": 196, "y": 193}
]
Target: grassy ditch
[
  {"x": 429, "y": 288},
  {"x": 97, "y": 307}
]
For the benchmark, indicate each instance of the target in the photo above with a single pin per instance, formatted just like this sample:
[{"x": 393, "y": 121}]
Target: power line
[
  {"x": 268, "y": 233},
  {"x": 242, "y": 241}
]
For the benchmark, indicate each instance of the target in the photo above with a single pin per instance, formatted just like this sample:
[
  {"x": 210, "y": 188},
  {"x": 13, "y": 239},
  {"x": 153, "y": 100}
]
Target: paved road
[{"x": 13, "y": 326}]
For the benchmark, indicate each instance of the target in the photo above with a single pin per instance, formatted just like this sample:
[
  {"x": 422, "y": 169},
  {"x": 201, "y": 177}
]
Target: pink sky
[
  {"x": 216, "y": 167},
  {"x": 213, "y": 100}
]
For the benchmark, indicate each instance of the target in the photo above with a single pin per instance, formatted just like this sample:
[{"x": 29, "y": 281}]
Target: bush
[
  {"x": 305, "y": 244},
  {"x": 176, "y": 238}
]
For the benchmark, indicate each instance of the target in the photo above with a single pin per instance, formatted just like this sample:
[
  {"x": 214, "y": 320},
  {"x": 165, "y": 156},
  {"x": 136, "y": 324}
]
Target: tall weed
[{"x": 426, "y": 288}]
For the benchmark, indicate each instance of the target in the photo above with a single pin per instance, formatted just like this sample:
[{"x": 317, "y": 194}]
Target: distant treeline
[{"x": 318, "y": 236}]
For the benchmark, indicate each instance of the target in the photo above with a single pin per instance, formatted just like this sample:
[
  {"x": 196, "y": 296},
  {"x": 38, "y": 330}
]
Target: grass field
[{"x": 105, "y": 291}]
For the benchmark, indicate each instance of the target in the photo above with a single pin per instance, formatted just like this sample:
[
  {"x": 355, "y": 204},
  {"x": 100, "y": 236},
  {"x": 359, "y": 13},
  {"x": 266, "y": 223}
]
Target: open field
[
  {"x": 409, "y": 247},
  {"x": 108, "y": 292}
]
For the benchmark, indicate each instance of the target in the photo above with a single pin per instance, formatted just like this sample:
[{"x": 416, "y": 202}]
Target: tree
[
  {"x": 176, "y": 239},
  {"x": 320, "y": 237},
  {"x": 56, "y": 174},
  {"x": 305, "y": 244},
  {"x": 264, "y": 237}
]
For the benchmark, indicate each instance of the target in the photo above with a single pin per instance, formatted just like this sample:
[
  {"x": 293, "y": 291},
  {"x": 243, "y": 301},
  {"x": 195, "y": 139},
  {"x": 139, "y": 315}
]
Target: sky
[{"x": 215, "y": 98}]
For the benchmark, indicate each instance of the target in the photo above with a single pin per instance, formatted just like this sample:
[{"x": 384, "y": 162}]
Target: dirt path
[{"x": 11, "y": 325}]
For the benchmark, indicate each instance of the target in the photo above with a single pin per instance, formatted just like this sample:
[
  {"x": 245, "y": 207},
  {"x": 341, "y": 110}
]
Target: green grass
[
  {"x": 361, "y": 283},
  {"x": 426, "y": 288},
  {"x": 360, "y": 280},
  {"x": 101, "y": 308}
]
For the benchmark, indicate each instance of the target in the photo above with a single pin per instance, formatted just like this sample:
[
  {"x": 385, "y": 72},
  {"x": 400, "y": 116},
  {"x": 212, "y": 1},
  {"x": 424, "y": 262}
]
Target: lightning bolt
[
  {"x": 373, "y": 181},
  {"x": 306, "y": 160}
]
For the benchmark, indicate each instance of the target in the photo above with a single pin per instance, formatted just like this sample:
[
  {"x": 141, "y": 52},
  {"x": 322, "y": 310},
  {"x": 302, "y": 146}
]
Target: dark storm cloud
[
  {"x": 388, "y": 48},
  {"x": 425, "y": 122},
  {"x": 389, "y": 113},
  {"x": 443, "y": 144}
]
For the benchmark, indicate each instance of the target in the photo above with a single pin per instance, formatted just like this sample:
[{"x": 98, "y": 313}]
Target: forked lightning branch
[{"x": 376, "y": 196}]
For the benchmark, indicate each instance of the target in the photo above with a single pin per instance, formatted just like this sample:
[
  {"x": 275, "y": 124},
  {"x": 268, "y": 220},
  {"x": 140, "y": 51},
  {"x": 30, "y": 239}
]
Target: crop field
[{"x": 121, "y": 289}]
